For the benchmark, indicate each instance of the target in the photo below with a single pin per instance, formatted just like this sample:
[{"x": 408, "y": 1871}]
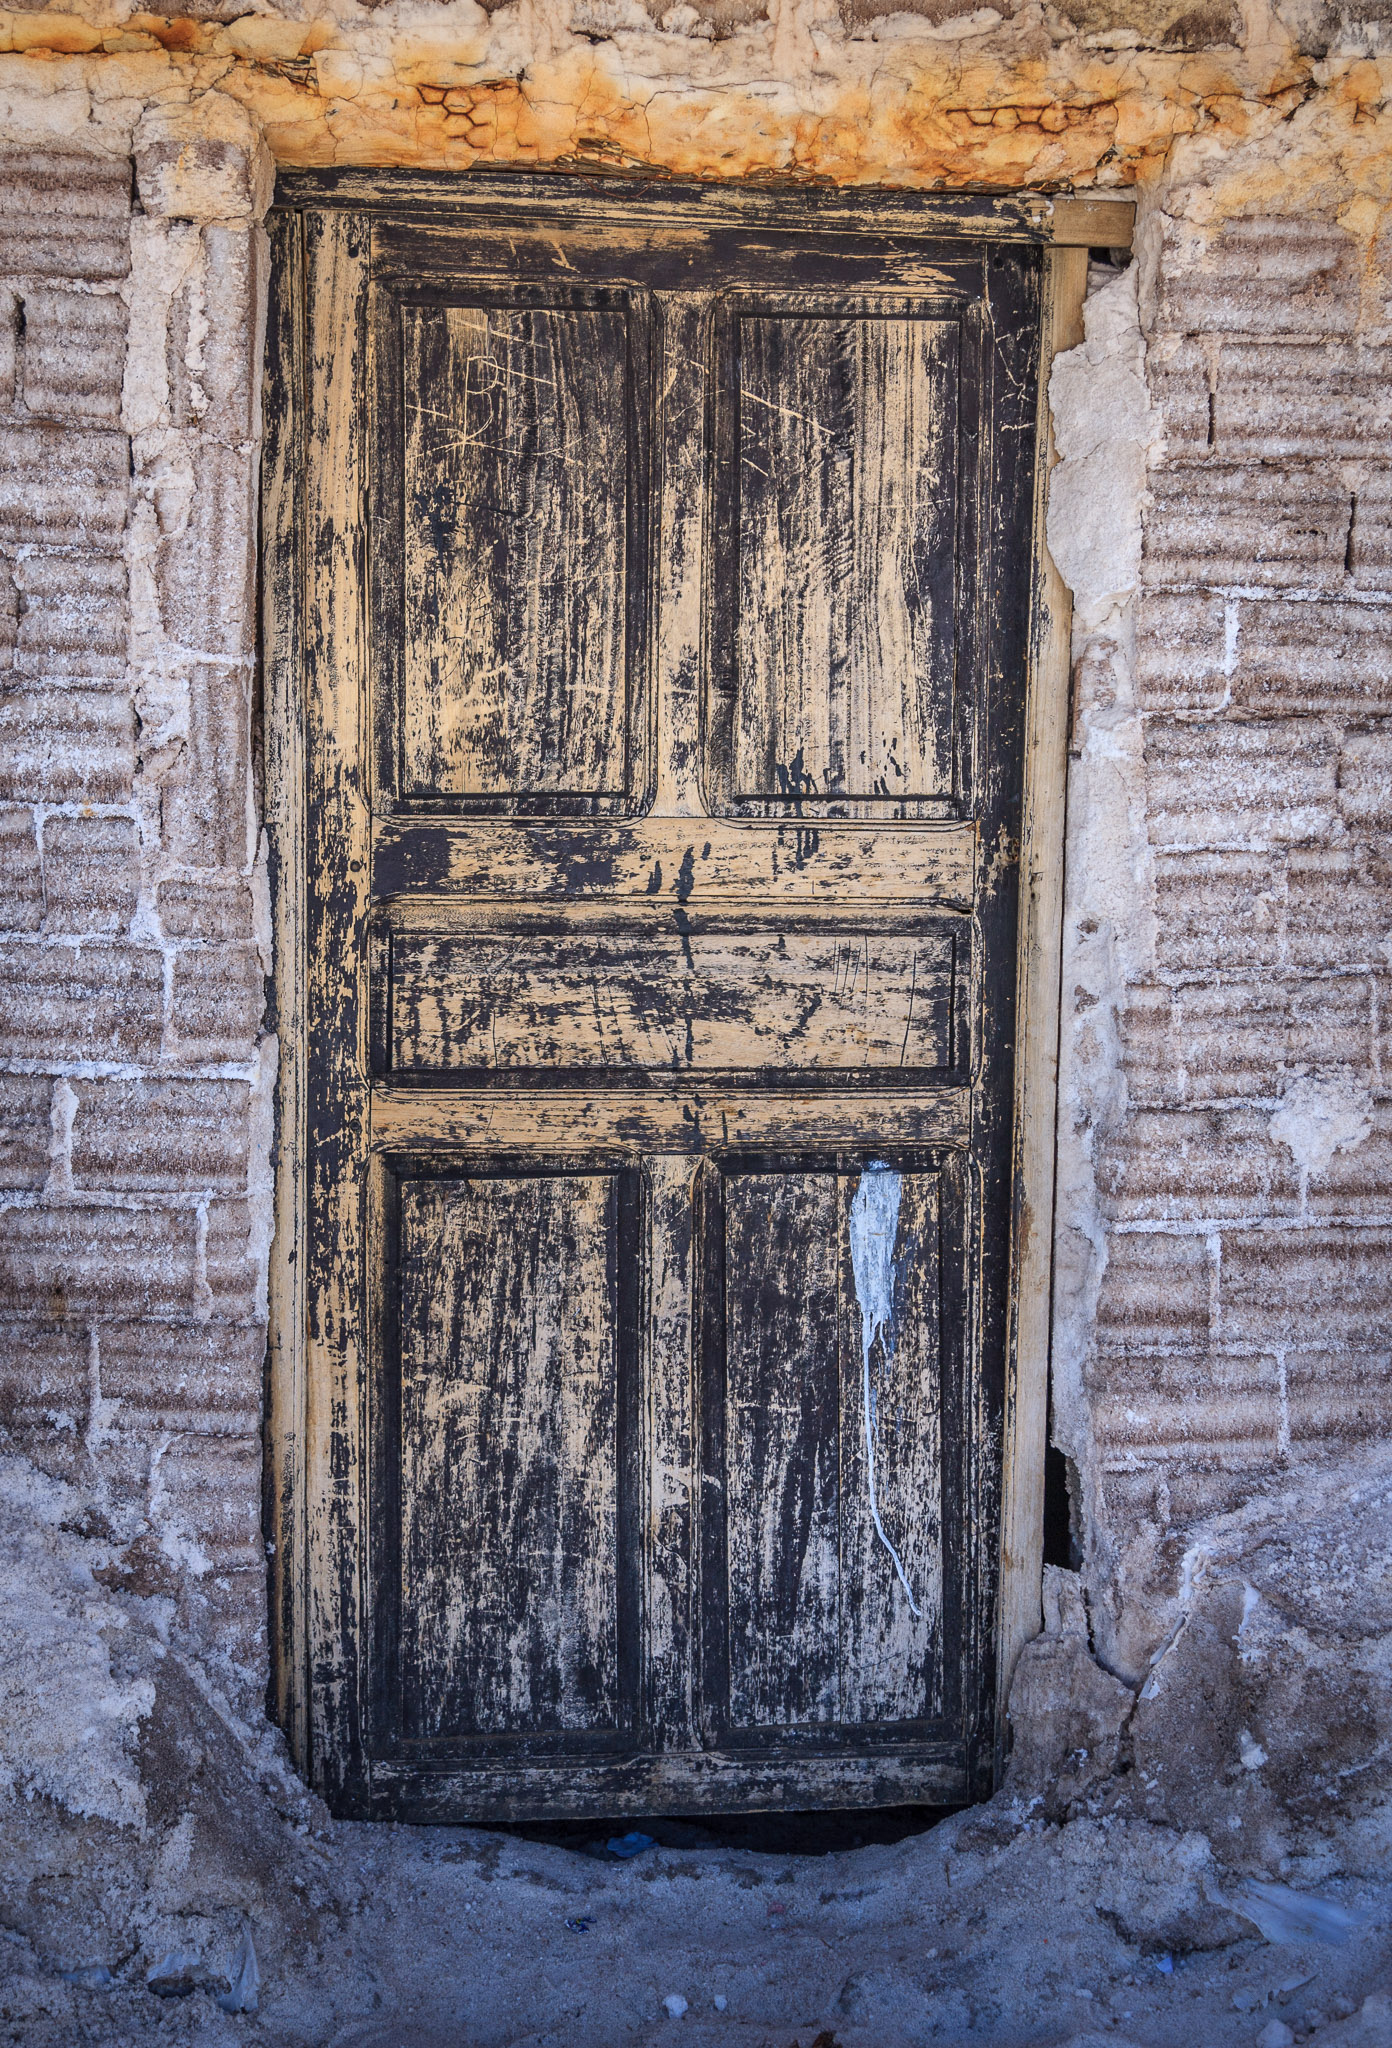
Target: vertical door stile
[
  {"x": 891, "y": 1410},
  {"x": 283, "y": 631},
  {"x": 669, "y": 1483},
  {"x": 712, "y": 1686},
  {"x": 338, "y": 859},
  {"x": 1002, "y": 418},
  {"x": 1040, "y": 975},
  {"x": 670, "y": 1426}
]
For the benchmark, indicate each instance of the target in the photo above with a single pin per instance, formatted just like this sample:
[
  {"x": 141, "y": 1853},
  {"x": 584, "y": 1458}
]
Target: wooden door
[{"x": 665, "y": 569}]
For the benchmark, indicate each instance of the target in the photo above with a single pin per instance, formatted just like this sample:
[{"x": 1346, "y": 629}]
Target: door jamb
[
  {"x": 1037, "y": 1025},
  {"x": 1066, "y": 226},
  {"x": 285, "y": 717}
]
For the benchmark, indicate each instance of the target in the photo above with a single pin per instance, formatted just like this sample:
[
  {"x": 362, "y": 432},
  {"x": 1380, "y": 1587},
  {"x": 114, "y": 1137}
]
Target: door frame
[{"x": 1065, "y": 227}]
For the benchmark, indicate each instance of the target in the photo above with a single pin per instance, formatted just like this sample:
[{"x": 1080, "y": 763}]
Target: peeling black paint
[{"x": 521, "y": 955}]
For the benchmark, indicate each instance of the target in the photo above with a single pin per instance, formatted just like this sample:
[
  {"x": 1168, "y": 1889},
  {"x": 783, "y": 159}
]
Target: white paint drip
[{"x": 874, "y": 1225}]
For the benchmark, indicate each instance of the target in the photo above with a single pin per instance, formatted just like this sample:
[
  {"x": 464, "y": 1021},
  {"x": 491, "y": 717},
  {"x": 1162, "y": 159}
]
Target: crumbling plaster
[
  {"x": 1007, "y": 94},
  {"x": 1228, "y": 1623}
]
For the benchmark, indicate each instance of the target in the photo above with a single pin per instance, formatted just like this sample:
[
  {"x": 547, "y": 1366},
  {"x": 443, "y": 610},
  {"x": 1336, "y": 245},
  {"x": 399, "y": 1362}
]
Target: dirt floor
[
  {"x": 975, "y": 1931},
  {"x": 166, "y": 1877}
]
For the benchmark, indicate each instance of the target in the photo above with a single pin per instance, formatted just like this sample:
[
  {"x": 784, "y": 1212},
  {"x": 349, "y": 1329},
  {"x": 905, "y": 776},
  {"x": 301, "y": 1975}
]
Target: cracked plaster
[{"x": 971, "y": 99}]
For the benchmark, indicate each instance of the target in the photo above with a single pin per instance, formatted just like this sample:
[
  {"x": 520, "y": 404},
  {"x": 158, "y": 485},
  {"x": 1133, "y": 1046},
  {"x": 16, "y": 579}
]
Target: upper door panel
[
  {"x": 836, "y": 558},
  {"x": 509, "y": 580},
  {"x": 542, "y": 645},
  {"x": 514, "y": 578}
]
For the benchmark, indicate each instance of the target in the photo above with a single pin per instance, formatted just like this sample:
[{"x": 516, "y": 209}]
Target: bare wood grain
[
  {"x": 516, "y": 523},
  {"x": 890, "y": 1657},
  {"x": 1040, "y": 972},
  {"x": 671, "y": 859},
  {"x": 509, "y": 1456},
  {"x": 683, "y": 382},
  {"x": 680, "y": 1122},
  {"x": 663, "y": 206},
  {"x": 683, "y": 999},
  {"x": 732, "y": 1780},
  {"x": 1087, "y": 222},
  {"x": 669, "y": 1479},
  {"x": 676, "y": 256},
  {"x": 903, "y": 523},
  {"x": 283, "y": 629},
  {"x": 846, "y": 455},
  {"x": 336, "y": 892}
]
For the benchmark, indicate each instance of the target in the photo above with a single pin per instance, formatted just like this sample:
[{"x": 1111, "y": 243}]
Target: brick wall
[
  {"x": 132, "y": 966},
  {"x": 1245, "y": 1317}
]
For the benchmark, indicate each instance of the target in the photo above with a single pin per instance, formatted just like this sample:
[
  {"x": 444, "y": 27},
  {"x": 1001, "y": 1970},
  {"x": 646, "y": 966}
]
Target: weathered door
[{"x": 665, "y": 579}]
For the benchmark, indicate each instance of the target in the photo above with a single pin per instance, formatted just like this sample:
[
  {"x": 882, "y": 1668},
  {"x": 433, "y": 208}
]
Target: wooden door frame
[{"x": 1065, "y": 227}]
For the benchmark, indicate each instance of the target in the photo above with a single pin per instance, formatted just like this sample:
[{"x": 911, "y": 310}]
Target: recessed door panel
[
  {"x": 781, "y": 1469},
  {"x": 827, "y": 1447},
  {"x": 509, "y": 1461},
  {"x": 512, "y": 559},
  {"x": 838, "y": 558},
  {"x": 712, "y": 995},
  {"x": 892, "y": 1346}
]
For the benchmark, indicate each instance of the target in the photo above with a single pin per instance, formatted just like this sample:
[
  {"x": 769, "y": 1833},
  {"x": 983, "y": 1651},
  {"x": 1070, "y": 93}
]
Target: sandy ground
[{"x": 971, "y": 1932}]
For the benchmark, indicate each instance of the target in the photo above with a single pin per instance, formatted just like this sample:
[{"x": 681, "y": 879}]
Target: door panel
[
  {"x": 665, "y": 810},
  {"x": 666, "y": 1123},
  {"x": 828, "y": 1443},
  {"x": 510, "y": 498},
  {"x": 516, "y": 525},
  {"x": 844, "y": 468},
  {"x": 892, "y": 1415},
  {"x": 714, "y": 994},
  {"x": 655, "y": 856},
  {"x": 781, "y": 1476},
  {"x": 509, "y": 1455}
]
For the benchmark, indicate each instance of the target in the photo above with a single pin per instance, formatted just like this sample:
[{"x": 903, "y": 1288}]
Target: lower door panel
[{"x": 672, "y": 1464}]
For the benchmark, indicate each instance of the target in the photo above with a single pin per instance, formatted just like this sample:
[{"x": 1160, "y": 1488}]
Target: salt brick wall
[
  {"x": 1245, "y": 1317},
  {"x": 132, "y": 966}
]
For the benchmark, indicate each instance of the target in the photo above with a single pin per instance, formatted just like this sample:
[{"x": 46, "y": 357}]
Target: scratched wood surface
[
  {"x": 668, "y": 1434},
  {"x": 685, "y": 1000},
  {"x": 338, "y": 1347},
  {"x": 625, "y": 206},
  {"x": 515, "y": 527},
  {"x": 821, "y": 1628},
  {"x": 890, "y": 1657},
  {"x": 782, "y": 1440},
  {"x": 845, "y": 464},
  {"x": 667, "y": 1119},
  {"x": 509, "y": 1469},
  {"x": 663, "y": 804},
  {"x": 283, "y": 640},
  {"x": 676, "y": 857}
]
